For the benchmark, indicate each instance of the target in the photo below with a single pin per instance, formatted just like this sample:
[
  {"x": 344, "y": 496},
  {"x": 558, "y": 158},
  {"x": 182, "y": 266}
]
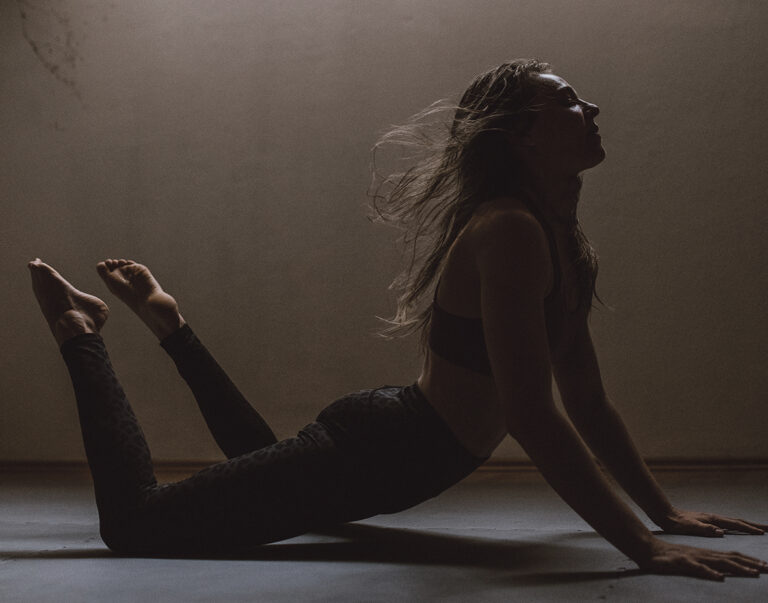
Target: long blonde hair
[{"x": 453, "y": 168}]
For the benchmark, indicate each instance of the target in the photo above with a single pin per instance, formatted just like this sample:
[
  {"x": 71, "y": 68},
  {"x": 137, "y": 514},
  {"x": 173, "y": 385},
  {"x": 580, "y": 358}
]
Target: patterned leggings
[{"x": 370, "y": 452}]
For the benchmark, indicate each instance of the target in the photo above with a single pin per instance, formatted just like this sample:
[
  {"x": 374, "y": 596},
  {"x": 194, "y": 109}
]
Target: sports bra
[{"x": 460, "y": 339}]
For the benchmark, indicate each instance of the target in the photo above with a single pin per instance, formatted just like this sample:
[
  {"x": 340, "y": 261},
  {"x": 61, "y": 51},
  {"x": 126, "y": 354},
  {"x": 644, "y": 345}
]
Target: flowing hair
[{"x": 459, "y": 156}]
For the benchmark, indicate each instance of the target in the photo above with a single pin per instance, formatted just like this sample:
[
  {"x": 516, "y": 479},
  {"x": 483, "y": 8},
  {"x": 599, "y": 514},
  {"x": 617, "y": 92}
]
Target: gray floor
[{"x": 498, "y": 536}]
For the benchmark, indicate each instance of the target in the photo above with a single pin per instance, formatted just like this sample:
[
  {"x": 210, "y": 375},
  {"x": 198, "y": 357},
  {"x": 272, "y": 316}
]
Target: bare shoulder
[
  {"x": 508, "y": 241},
  {"x": 506, "y": 223}
]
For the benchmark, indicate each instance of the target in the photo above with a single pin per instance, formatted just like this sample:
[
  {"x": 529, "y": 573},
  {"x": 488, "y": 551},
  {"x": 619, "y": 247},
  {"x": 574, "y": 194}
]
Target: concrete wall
[{"x": 226, "y": 145}]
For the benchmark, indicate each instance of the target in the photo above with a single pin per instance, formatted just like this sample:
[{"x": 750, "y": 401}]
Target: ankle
[
  {"x": 168, "y": 327},
  {"x": 71, "y": 324}
]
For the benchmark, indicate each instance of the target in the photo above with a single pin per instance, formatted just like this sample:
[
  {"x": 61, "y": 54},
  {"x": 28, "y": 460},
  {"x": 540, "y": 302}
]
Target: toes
[
  {"x": 112, "y": 263},
  {"x": 40, "y": 265}
]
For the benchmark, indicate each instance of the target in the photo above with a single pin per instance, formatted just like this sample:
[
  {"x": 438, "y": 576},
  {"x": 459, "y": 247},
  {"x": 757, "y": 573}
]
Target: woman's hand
[
  {"x": 681, "y": 560},
  {"x": 694, "y": 523}
]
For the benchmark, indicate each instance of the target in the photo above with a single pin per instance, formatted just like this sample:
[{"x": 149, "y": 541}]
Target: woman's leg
[
  {"x": 270, "y": 494},
  {"x": 274, "y": 493},
  {"x": 370, "y": 452},
  {"x": 117, "y": 452},
  {"x": 114, "y": 444},
  {"x": 235, "y": 425}
]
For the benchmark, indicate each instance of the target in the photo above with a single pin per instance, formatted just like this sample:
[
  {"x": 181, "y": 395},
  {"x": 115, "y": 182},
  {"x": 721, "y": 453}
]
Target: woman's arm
[
  {"x": 513, "y": 262},
  {"x": 581, "y": 390},
  {"x": 514, "y": 273},
  {"x": 602, "y": 428}
]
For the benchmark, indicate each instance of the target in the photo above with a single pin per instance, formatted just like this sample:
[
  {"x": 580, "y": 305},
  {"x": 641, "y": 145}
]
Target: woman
[{"x": 497, "y": 199}]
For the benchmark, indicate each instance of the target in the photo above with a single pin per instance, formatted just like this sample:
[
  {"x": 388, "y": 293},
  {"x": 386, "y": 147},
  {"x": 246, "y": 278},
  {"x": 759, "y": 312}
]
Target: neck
[{"x": 556, "y": 197}]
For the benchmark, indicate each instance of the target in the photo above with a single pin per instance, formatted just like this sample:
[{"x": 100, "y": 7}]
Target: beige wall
[{"x": 226, "y": 145}]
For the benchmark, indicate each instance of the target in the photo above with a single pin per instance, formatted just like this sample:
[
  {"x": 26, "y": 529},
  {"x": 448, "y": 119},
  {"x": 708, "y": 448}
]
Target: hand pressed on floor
[
  {"x": 682, "y": 560},
  {"x": 695, "y": 523}
]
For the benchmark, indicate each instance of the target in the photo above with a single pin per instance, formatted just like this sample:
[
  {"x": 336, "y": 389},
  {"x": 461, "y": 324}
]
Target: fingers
[
  {"x": 700, "y": 570},
  {"x": 743, "y": 526},
  {"x": 712, "y": 531},
  {"x": 737, "y": 564},
  {"x": 705, "y": 563},
  {"x": 738, "y": 525},
  {"x": 698, "y": 528},
  {"x": 729, "y": 566},
  {"x": 751, "y": 561}
]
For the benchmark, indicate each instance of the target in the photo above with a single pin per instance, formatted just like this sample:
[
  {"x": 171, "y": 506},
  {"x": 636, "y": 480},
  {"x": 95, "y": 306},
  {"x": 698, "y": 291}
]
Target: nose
[{"x": 593, "y": 109}]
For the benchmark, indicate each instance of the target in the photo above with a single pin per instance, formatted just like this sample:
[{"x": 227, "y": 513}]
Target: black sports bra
[{"x": 460, "y": 339}]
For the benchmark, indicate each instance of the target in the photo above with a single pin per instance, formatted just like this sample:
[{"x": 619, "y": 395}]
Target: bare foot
[
  {"x": 68, "y": 311},
  {"x": 134, "y": 284}
]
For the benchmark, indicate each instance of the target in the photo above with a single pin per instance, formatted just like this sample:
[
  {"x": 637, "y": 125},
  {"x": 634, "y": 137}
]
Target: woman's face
[{"x": 563, "y": 136}]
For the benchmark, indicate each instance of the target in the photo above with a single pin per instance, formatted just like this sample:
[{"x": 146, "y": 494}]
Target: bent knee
[
  {"x": 124, "y": 536},
  {"x": 136, "y": 537},
  {"x": 116, "y": 536}
]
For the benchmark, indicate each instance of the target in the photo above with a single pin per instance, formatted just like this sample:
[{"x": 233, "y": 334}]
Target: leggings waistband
[{"x": 417, "y": 401}]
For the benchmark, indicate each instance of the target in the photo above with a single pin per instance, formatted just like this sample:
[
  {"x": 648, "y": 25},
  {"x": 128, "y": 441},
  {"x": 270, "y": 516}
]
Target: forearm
[
  {"x": 606, "y": 434},
  {"x": 566, "y": 464}
]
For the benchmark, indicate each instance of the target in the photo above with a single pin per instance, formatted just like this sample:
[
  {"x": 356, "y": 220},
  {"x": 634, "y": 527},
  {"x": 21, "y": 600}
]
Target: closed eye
[{"x": 569, "y": 96}]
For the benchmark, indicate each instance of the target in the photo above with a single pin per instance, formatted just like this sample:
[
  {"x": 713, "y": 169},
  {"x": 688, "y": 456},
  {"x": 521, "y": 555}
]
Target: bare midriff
[{"x": 467, "y": 402}]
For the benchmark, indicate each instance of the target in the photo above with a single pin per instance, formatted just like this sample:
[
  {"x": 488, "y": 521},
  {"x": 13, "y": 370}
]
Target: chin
[{"x": 597, "y": 158}]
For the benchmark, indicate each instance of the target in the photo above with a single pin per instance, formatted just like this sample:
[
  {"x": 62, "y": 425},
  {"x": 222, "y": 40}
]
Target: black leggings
[{"x": 370, "y": 452}]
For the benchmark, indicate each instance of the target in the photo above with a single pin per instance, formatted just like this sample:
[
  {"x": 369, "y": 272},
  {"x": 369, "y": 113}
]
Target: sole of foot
[
  {"x": 68, "y": 311},
  {"x": 134, "y": 285}
]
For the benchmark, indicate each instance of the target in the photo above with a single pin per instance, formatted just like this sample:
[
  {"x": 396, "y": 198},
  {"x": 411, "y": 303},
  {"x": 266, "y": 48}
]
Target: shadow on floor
[{"x": 365, "y": 543}]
